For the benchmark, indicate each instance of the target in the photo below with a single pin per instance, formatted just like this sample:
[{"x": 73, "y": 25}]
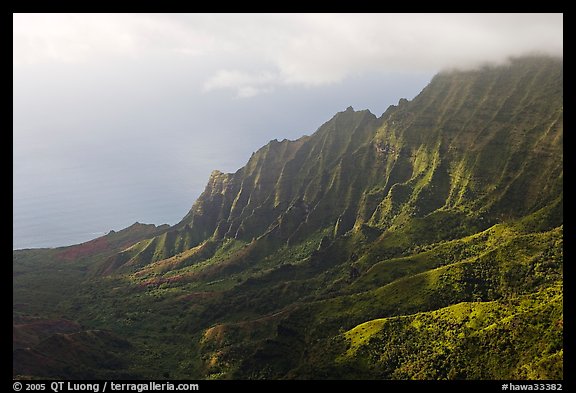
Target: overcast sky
[{"x": 121, "y": 117}]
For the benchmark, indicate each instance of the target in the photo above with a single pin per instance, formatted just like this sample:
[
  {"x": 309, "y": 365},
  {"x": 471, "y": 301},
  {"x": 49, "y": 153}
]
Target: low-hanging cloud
[{"x": 253, "y": 54}]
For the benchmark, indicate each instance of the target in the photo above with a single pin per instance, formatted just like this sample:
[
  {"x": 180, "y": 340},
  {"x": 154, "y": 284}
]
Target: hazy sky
[{"x": 121, "y": 117}]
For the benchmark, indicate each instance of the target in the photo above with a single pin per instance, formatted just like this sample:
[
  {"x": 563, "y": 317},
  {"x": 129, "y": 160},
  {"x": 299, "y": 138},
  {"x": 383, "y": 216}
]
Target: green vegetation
[
  {"x": 424, "y": 244},
  {"x": 478, "y": 340}
]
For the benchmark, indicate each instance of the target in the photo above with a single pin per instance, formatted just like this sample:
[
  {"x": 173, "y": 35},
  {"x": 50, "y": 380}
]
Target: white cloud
[
  {"x": 287, "y": 49},
  {"x": 245, "y": 84},
  {"x": 79, "y": 38}
]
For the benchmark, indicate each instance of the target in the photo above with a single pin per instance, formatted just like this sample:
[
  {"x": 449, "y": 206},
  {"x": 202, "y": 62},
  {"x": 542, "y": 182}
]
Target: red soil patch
[
  {"x": 28, "y": 331},
  {"x": 87, "y": 249}
]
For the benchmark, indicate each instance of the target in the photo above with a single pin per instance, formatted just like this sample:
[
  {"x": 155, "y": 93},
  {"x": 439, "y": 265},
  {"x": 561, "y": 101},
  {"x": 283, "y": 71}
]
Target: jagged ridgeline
[{"x": 426, "y": 243}]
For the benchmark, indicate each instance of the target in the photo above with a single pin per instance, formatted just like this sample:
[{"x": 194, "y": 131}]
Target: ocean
[{"x": 76, "y": 204}]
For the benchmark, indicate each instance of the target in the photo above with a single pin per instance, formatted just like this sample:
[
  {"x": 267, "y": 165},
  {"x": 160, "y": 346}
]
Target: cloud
[
  {"x": 81, "y": 38},
  {"x": 252, "y": 54},
  {"x": 323, "y": 49},
  {"x": 246, "y": 84}
]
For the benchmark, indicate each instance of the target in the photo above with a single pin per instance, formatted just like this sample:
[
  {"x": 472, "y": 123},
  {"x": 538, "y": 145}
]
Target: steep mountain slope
[
  {"x": 471, "y": 142},
  {"x": 375, "y": 248}
]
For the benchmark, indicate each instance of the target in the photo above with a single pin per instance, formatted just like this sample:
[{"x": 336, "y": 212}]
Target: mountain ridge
[
  {"x": 238, "y": 205},
  {"x": 452, "y": 198}
]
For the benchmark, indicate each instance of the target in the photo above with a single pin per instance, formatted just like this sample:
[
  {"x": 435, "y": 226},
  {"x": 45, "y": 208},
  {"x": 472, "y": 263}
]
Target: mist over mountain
[{"x": 422, "y": 244}]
